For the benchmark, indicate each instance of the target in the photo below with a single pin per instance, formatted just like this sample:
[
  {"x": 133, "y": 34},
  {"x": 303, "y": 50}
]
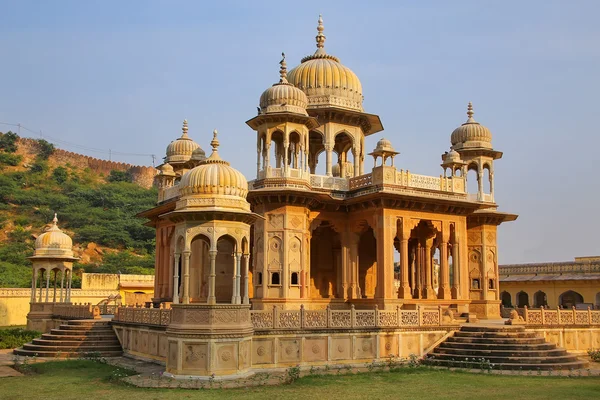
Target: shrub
[
  {"x": 46, "y": 149},
  {"x": 120, "y": 176},
  {"x": 60, "y": 175},
  {"x": 10, "y": 159},
  {"x": 594, "y": 355},
  {"x": 8, "y": 142},
  {"x": 16, "y": 337}
]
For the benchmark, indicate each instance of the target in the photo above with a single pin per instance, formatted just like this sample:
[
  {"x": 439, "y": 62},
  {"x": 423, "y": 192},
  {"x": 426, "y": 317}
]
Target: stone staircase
[
  {"x": 506, "y": 347},
  {"x": 77, "y": 338}
]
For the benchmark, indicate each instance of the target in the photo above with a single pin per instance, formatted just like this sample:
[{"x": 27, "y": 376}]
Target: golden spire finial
[
  {"x": 184, "y": 129},
  {"x": 283, "y": 70},
  {"x": 55, "y": 219},
  {"x": 320, "y": 36},
  {"x": 215, "y": 142},
  {"x": 470, "y": 112}
]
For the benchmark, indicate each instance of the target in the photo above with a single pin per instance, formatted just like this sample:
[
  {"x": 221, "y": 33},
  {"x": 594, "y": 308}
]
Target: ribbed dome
[
  {"x": 166, "y": 169},
  {"x": 181, "y": 150},
  {"x": 283, "y": 96},
  {"x": 384, "y": 145},
  {"x": 53, "y": 243},
  {"x": 198, "y": 154},
  {"x": 471, "y": 133},
  {"x": 214, "y": 179},
  {"x": 325, "y": 80}
]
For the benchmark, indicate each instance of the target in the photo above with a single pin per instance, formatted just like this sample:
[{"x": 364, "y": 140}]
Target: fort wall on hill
[{"x": 141, "y": 175}]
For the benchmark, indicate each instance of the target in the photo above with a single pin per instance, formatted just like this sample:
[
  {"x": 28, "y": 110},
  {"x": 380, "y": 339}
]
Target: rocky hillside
[{"x": 96, "y": 202}]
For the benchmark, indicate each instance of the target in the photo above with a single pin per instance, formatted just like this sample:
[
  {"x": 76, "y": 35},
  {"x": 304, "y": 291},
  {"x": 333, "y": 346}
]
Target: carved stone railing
[
  {"x": 556, "y": 317},
  {"x": 144, "y": 316},
  {"x": 76, "y": 311},
  {"x": 550, "y": 268},
  {"x": 168, "y": 193},
  {"x": 349, "y": 319},
  {"x": 106, "y": 309},
  {"x": 328, "y": 182},
  {"x": 361, "y": 181}
]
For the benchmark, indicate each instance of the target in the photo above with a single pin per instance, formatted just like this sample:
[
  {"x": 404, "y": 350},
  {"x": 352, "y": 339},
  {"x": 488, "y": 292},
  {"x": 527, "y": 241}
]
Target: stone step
[
  {"x": 511, "y": 366},
  {"x": 61, "y": 354},
  {"x": 501, "y": 353},
  {"x": 495, "y": 346},
  {"x": 45, "y": 342},
  {"x": 89, "y": 322},
  {"x": 496, "y": 335},
  {"x": 81, "y": 348},
  {"x": 520, "y": 341},
  {"x": 90, "y": 328},
  {"x": 492, "y": 328},
  {"x": 507, "y": 360},
  {"x": 50, "y": 336},
  {"x": 60, "y": 331}
]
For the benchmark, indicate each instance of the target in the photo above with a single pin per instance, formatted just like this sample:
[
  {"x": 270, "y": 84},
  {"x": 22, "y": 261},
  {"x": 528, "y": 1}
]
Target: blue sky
[{"x": 122, "y": 75}]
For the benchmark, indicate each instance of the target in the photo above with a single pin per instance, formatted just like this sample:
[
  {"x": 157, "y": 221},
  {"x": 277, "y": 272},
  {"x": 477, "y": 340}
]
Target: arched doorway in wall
[
  {"x": 540, "y": 299},
  {"x": 343, "y": 148},
  {"x": 276, "y": 150},
  {"x": 506, "y": 299},
  {"x": 325, "y": 261},
  {"x": 487, "y": 182},
  {"x": 367, "y": 263},
  {"x": 295, "y": 153},
  {"x": 316, "y": 153},
  {"x": 199, "y": 269},
  {"x": 522, "y": 299},
  {"x": 570, "y": 299},
  {"x": 224, "y": 268}
]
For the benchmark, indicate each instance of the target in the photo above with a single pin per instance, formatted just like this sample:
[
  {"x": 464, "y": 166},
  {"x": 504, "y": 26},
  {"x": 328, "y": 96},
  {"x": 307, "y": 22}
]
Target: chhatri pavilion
[{"x": 356, "y": 235}]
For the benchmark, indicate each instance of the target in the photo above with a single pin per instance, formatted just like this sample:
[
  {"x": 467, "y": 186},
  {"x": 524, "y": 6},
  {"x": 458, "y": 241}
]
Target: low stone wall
[
  {"x": 14, "y": 303},
  {"x": 573, "y": 339},
  {"x": 282, "y": 349}
]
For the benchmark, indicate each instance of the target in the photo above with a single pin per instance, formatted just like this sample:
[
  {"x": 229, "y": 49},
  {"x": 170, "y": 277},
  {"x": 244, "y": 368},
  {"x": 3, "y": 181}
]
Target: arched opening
[
  {"x": 435, "y": 268},
  {"x": 491, "y": 284},
  {"x": 522, "y": 299},
  {"x": 506, "y": 299},
  {"x": 458, "y": 172},
  {"x": 275, "y": 278},
  {"x": 325, "y": 261},
  {"x": 199, "y": 268},
  {"x": 367, "y": 263},
  {"x": 487, "y": 183},
  {"x": 224, "y": 268},
  {"x": 472, "y": 179},
  {"x": 570, "y": 299},
  {"x": 246, "y": 287},
  {"x": 294, "y": 279},
  {"x": 294, "y": 151},
  {"x": 316, "y": 147},
  {"x": 276, "y": 150},
  {"x": 540, "y": 299},
  {"x": 342, "y": 146}
]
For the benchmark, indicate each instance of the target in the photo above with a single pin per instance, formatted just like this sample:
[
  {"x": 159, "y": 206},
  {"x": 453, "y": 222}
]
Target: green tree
[
  {"x": 8, "y": 141},
  {"x": 46, "y": 149},
  {"x": 60, "y": 175},
  {"x": 120, "y": 176}
]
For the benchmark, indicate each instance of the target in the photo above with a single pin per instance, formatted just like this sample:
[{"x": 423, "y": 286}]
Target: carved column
[
  {"x": 212, "y": 299},
  {"x": 62, "y": 284},
  {"x": 353, "y": 261},
  {"x": 404, "y": 290},
  {"x": 480, "y": 185},
  {"x": 33, "y": 285},
  {"x": 258, "y": 151},
  {"x": 186, "y": 276},
  {"x": 356, "y": 161},
  {"x": 455, "y": 270},
  {"x": 236, "y": 289},
  {"x": 428, "y": 292},
  {"x": 47, "y": 284},
  {"x": 246, "y": 298},
  {"x": 329, "y": 150},
  {"x": 418, "y": 269},
  {"x": 176, "y": 277}
]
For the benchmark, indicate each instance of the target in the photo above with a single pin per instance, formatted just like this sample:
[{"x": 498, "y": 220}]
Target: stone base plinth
[
  {"x": 485, "y": 309},
  {"x": 39, "y": 317},
  {"x": 206, "y": 339}
]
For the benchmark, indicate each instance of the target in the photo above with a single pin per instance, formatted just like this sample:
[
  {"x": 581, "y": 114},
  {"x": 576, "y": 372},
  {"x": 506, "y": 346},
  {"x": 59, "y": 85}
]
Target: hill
[{"x": 96, "y": 202}]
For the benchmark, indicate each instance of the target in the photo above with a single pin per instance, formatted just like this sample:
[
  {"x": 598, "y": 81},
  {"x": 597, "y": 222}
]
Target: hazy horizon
[{"x": 94, "y": 76}]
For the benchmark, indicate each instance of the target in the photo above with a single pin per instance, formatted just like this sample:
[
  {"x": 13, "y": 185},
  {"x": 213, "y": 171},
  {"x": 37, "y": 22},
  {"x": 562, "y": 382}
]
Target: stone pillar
[
  {"x": 33, "y": 285},
  {"x": 54, "y": 292},
  {"x": 47, "y": 284},
  {"x": 404, "y": 290},
  {"x": 236, "y": 290},
  {"x": 418, "y": 269},
  {"x": 455, "y": 270},
  {"x": 444, "y": 289},
  {"x": 286, "y": 146},
  {"x": 69, "y": 284},
  {"x": 176, "y": 278},
  {"x": 428, "y": 292},
  {"x": 212, "y": 299},
  {"x": 480, "y": 185},
  {"x": 328, "y": 150},
  {"x": 62, "y": 284},
  {"x": 246, "y": 298},
  {"x": 355, "y": 157},
  {"x": 258, "y": 154},
  {"x": 186, "y": 277}
]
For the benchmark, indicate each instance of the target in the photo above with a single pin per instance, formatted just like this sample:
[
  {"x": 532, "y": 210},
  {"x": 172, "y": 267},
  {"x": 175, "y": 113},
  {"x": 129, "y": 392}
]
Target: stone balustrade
[
  {"x": 140, "y": 315},
  {"x": 554, "y": 317},
  {"x": 76, "y": 311}
]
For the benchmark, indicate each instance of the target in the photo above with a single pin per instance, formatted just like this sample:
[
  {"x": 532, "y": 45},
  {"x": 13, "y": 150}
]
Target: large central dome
[{"x": 325, "y": 80}]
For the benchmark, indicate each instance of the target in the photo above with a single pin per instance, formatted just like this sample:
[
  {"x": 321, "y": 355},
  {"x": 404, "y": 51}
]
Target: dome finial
[
  {"x": 184, "y": 129},
  {"x": 283, "y": 70},
  {"x": 320, "y": 36},
  {"x": 55, "y": 219},
  {"x": 215, "y": 142},
  {"x": 470, "y": 112}
]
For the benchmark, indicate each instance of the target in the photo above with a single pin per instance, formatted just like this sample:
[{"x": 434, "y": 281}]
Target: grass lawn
[{"x": 79, "y": 379}]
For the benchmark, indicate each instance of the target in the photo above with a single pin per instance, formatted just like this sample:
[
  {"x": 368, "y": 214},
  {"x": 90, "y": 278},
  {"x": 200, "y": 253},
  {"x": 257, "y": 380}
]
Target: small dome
[
  {"x": 384, "y": 145},
  {"x": 453, "y": 156},
  {"x": 283, "y": 96},
  {"x": 166, "y": 169},
  {"x": 216, "y": 181},
  {"x": 53, "y": 243},
  {"x": 181, "y": 150},
  {"x": 325, "y": 80},
  {"x": 198, "y": 154},
  {"x": 471, "y": 133}
]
